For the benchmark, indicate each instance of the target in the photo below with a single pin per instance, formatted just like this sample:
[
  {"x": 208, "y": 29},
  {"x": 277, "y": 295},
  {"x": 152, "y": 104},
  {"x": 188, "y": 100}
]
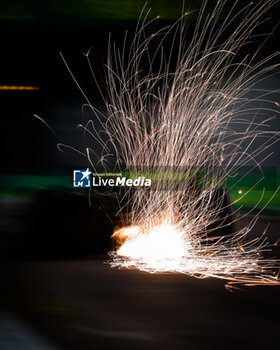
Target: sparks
[{"x": 182, "y": 120}]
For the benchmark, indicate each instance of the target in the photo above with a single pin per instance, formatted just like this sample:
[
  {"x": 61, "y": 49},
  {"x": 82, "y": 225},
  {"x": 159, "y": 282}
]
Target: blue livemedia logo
[{"x": 81, "y": 178}]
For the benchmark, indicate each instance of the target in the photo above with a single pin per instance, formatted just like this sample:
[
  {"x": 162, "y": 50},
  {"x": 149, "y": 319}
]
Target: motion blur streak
[{"x": 14, "y": 87}]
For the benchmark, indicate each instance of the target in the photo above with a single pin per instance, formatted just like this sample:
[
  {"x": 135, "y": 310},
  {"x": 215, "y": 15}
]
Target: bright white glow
[
  {"x": 161, "y": 242},
  {"x": 164, "y": 248}
]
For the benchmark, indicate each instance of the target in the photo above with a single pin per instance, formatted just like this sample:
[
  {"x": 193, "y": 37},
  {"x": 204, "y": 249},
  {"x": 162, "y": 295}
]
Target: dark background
[
  {"x": 56, "y": 290},
  {"x": 32, "y": 35}
]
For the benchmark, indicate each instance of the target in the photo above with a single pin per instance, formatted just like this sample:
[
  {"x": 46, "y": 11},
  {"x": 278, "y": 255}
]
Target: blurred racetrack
[{"x": 83, "y": 303}]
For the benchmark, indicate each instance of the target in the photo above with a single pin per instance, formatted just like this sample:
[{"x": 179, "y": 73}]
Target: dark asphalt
[{"x": 85, "y": 304}]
